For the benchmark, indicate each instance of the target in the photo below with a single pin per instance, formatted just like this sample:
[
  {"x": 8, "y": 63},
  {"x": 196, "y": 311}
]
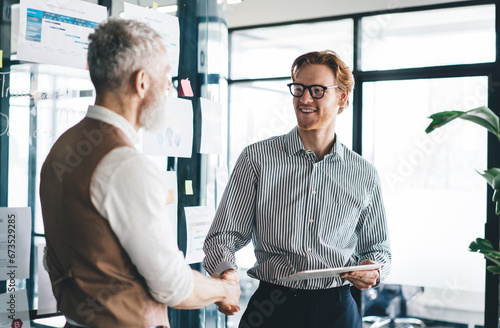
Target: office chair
[{"x": 385, "y": 306}]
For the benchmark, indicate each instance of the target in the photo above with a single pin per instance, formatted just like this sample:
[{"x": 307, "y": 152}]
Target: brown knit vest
[{"x": 93, "y": 278}]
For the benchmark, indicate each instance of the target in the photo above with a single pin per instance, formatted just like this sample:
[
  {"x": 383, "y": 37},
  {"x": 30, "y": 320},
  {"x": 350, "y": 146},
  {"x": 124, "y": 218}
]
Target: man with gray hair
[{"x": 111, "y": 253}]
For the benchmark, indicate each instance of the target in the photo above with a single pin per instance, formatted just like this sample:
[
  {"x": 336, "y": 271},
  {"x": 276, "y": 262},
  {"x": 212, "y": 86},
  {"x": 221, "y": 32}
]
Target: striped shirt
[{"x": 300, "y": 213}]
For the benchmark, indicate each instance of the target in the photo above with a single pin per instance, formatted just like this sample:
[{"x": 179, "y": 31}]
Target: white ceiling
[{"x": 258, "y": 12}]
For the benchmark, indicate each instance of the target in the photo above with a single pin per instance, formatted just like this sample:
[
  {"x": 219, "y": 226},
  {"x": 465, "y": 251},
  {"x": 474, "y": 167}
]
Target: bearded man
[{"x": 111, "y": 254}]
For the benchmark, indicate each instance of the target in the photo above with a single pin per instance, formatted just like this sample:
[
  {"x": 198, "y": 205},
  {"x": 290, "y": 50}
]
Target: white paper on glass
[
  {"x": 176, "y": 138},
  {"x": 170, "y": 178},
  {"x": 56, "y": 32},
  {"x": 211, "y": 133},
  {"x": 14, "y": 311},
  {"x": 15, "y": 242},
  {"x": 166, "y": 25},
  {"x": 46, "y": 301},
  {"x": 198, "y": 222}
]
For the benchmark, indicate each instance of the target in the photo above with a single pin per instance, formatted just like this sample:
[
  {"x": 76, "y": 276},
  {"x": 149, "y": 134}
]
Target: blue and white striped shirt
[{"x": 300, "y": 213}]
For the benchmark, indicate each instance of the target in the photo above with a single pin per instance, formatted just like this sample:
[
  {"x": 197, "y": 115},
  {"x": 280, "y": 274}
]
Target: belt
[{"x": 305, "y": 293}]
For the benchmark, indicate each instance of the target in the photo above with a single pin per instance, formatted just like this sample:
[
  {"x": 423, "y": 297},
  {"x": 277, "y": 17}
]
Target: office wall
[{"x": 258, "y": 12}]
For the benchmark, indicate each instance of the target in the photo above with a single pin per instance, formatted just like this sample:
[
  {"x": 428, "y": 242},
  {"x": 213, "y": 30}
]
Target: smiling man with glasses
[{"x": 307, "y": 202}]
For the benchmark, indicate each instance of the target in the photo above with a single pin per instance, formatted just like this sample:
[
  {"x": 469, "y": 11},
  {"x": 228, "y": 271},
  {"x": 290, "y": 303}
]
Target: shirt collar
[
  {"x": 338, "y": 148},
  {"x": 294, "y": 144},
  {"x": 107, "y": 116}
]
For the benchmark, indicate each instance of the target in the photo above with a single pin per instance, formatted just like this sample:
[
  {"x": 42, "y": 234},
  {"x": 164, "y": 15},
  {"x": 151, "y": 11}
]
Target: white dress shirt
[{"x": 129, "y": 191}]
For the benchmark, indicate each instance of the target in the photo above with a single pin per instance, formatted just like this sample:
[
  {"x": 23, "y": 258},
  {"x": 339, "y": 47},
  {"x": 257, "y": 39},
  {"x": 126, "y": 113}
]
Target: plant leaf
[
  {"x": 484, "y": 246},
  {"x": 485, "y": 117},
  {"x": 442, "y": 118},
  {"x": 494, "y": 258},
  {"x": 496, "y": 180},
  {"x": 496, "y": 196},
  {"x": 482, "y": 116},
  {"x": 493, "y": 177},
  {"x": 494, "y": 269},
  {"x": 474, "y": 247}
]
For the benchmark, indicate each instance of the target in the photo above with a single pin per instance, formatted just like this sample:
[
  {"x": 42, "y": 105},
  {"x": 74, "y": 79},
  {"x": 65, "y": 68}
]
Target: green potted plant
[{"x": 484, "y": 117}]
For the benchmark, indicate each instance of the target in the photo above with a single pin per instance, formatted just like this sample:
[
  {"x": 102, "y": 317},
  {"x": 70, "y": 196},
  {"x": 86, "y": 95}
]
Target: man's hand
[
  {"x": 232, "y": 278},
  {"x": 362, "y": 279}
]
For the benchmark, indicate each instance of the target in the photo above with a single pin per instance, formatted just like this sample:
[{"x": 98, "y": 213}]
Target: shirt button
[
  {"x": 309, "y": 249},
  {"x": 311, "y": 220},
  {"x": 314, "y": 192}
]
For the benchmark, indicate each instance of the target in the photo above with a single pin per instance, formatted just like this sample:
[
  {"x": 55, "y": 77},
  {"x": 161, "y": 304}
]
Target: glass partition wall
[
  {"x": 40, "y": 102},
  {"x": 434, "y": 199}
]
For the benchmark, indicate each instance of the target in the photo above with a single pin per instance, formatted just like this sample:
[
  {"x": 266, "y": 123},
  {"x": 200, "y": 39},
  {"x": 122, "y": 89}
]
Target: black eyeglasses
[{"x": 316, "y": 91}]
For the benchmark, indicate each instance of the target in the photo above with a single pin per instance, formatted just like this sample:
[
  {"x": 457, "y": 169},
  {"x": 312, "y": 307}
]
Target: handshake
[{"x": 231, "y": 282}]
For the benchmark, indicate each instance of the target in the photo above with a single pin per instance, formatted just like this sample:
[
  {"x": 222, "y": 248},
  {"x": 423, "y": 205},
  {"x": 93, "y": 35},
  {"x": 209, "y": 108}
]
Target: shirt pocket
[{"x": 338, "y": 224}]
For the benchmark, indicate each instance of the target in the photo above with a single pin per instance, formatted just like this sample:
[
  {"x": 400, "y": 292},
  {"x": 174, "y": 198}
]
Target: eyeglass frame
[{"x": 308, "y": 87}]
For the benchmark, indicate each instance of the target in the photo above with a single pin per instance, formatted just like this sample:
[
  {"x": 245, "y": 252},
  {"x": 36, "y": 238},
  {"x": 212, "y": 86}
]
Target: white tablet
[{"x": 325, "y": 273}]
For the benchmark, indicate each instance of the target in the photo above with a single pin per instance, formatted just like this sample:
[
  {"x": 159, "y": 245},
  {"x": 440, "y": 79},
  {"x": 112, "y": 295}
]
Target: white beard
[{"x": 154, "y": 115}]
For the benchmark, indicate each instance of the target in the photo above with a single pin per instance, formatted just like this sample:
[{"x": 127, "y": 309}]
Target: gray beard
[{"x": 154, "y": 116}]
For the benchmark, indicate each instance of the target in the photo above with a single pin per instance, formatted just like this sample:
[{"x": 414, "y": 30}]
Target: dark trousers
[
  {"x": 273, "y": 306},
  {"x": 68, "y": 325}
]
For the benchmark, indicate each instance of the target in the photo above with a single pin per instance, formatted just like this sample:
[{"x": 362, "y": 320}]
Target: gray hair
[{"x": 118, "y": 48}]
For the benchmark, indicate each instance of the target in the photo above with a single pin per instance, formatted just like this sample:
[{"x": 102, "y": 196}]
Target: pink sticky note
[{"x": 185, "y": 88}]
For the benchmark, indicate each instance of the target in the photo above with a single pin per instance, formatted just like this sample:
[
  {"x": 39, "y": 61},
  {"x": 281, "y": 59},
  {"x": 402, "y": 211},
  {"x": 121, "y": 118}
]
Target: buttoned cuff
[
  {"x": 223, "y": 266},
  {"x": 378, "y": 280}
]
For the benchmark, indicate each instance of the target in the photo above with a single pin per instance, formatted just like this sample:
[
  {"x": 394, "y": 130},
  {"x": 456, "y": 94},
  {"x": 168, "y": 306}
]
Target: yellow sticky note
[
  {"x": 188, "y": 186},
  {"x": 155, "y": 4},
  {"x": 1, "y": 58}
]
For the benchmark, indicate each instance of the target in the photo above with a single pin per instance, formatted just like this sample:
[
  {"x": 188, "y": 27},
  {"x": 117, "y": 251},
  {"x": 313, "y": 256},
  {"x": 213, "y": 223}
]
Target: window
[
  {"x": 270, "y": 51},
  {"x": 60, "y": 97},
  {"x": 428, "y": 38},
  {"x": 434, "y": 200}
]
